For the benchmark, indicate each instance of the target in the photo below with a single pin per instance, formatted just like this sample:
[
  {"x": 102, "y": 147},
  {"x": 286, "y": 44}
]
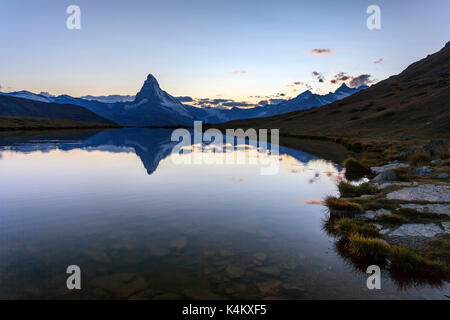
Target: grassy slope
[
  {"x": 31, "y": 123},
  {"x": 413, "y": 103}
]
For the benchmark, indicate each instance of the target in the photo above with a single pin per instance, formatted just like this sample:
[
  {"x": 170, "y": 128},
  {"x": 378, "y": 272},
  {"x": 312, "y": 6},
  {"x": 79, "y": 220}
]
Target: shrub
[
  {"x": 354, "y": 169},
  {"x": 406, "y": 260},
  {"x": 347, "y": 227},
  {"x": 392, "y": 218},
  {"x": 363, "y": 247},
  {"x": 340, "y": 207},
  {"x": 349, "y": 190},
  {"x": 419, "y": 158}
]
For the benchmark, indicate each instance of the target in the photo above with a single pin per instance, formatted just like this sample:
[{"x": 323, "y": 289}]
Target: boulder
[
  {"x": 387, "y": 175},
  {"x": 443, "y": 175},
  {"x": 424, "y": 171}
]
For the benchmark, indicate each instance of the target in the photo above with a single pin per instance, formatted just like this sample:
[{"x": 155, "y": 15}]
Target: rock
[
  {"x": 389, "y": 166},
  {"x": 226, "y": 253},
  {"x": 143, "y": 295},
  {"x": 97, "y": 256},
  {"x": 388, "y": 184},
  {"x": 371, "y": 215},
  {"x": 269, "y": 287},
  {"x": 424, "y": 192},
  {"x": 365, "y": 196},
  {"x": 446, "y": 226},
  {"x": 265, "y": 234},
  {"x": 434, "y": 148},
  {"x": 235, "y": 288},
  {"x": 443, "y": 175},
  {"x": 178, "y": 243},
  {"x": 260, "y": 256},
  {"x": 387, "y": 175},
  {"x": 158, "y": 251},
  {"x": 234, "y": 271},
  {"x": 122, "y": 285},
  {"x": 417, "y": 230},
  {"x": 436, "y": 161},
  {"x": 200, "y": 294},
  {"x": 167, "y": 296},
  {"x": 271, "y": 270},
  {"x": 293, "y": 289},
  {"x": 424, "y": 171},
  {"x": 431, "y": 208}
]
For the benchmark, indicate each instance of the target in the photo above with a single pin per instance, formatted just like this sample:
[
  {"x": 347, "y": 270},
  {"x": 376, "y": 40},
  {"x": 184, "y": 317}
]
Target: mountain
[
  {"x": 155, "y": 107},
  {"x": 19, "y": 107},
  {"x": 303, "y": 101},
  {"x": 111, "y": 98},
  {"x": 415, "y": 102}
]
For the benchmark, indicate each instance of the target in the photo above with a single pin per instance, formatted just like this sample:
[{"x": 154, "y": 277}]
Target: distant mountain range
[
  {"x": 19, "y": 107},
  {"x": 154, "y": 107}
]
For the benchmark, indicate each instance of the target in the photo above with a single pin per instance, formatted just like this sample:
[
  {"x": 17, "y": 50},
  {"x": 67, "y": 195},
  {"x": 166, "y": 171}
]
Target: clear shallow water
[{"x": 140, "y": 226}]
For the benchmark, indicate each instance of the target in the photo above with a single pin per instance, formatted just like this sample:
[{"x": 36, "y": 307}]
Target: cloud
[
  {"x": 1, "y": 87},
  {"x": 378, "y": 61},
  {"x": 269, "y": 101},
  {"x": 240, "y": 72},
  {"x": 363, "y": 79},
  {"x": 321, "y": 51},
  {"x": 238, "y": 104},
  {"x": 319, "y": 76},
  {"x": 340, "y": 77},
  {"x": 185, "y": 99}
]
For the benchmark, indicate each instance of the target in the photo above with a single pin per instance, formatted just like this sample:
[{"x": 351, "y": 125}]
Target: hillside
[
  {"x": 414, "y": 103},
  {"x": 34, "y": 123},
  {"x": 18, "y": 107}
]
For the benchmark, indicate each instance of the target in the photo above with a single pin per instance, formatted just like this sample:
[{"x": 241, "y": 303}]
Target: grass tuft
[
  {"x": 364, "y": 247},
  {"x": 340, "y": 207},
  {"x": 354, "y": 169},
  {"x": 406, "y": 260},
  {"x": 419, "y": 158},
  {"x": 349, "y": 190},
  {"x": 392, "y": 218},
  {"x": 347, "y": 227}
]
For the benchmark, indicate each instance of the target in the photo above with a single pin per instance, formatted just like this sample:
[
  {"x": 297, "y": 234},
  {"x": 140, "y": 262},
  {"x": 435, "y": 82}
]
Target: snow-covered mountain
[{"x": 154, "y": 107}]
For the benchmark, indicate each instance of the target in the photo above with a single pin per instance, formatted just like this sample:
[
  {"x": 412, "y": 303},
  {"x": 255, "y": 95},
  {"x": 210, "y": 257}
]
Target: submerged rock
[
  {"x": 269, "y": 287},
  {"x": 260, "y": 256},
  {"x": 122, "y": 285},
  {"x": 271, "y": 270},
  {"x": 200, "y": 294},
  {"x": 431, "y": 208},
  {"x": 178, "y": 243},
  {"x": 226, "y": 253},
  {"x": 234, "y": 271},
  {"x": 425, "y": 192}
]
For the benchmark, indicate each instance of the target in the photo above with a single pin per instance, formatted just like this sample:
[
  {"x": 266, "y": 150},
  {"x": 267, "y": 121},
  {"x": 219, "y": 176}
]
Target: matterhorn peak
[{"x": 149, "y": 90}]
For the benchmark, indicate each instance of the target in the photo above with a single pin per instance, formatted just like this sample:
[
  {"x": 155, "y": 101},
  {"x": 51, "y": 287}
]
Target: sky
[{"x": 244, "y": 50}]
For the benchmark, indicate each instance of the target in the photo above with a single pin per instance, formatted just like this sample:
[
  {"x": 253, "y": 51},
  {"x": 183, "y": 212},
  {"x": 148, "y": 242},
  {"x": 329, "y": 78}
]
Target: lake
[{"x": 141, "y": 226}]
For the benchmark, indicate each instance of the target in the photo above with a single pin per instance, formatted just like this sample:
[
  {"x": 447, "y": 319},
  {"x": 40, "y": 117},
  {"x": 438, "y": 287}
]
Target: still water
[{"x": 140, "y": 226}]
